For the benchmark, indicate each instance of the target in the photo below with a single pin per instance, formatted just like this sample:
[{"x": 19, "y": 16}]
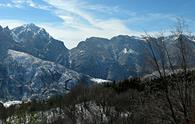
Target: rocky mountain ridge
[{"x": 35, "y": 65}]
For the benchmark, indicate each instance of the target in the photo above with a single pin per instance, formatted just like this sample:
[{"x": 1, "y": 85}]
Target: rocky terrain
[{"x": 35, "y": 65}]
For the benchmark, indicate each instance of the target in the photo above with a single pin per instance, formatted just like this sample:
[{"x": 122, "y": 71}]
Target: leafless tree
[
  {"x": 162, "y": 60},
  {"x": 157, "y": 55}
]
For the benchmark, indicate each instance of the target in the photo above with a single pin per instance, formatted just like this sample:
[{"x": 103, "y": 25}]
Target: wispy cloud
[
  {"x": 24, "y": 3},
  {"x": 38, "y": 6},
  {"x": 73, "y": 11},
  {"x": 11, "y": 4},
  {"x": 81, "y": 19}
]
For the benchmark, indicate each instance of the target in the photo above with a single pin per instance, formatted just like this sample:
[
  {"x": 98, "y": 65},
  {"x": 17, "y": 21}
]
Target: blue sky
[{"x": 75, "y": 20}]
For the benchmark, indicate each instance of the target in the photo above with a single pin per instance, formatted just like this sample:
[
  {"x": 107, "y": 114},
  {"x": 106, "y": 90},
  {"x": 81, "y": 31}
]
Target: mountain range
[{"x": 35, "y": 65}]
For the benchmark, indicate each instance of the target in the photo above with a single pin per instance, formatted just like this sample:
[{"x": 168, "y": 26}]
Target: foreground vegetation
[{"x": 133, "y": 101}]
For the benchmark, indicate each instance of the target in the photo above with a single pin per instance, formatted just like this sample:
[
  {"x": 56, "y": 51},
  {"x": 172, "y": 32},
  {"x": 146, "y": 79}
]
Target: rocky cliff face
[
  {"x": 35, "y": 65},
  {"x": 116, "y": 59},
  {"x": 25, "y": 76},
  {"x": 37, "y": 42}
]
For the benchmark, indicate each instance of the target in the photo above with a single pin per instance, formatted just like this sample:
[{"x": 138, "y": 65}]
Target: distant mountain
[
  {"x": 115, "y": 59},
  {"x": 118, "y": 58},
  {"x": 97, "y": 57},
  {"x": 34, "y": 64}
]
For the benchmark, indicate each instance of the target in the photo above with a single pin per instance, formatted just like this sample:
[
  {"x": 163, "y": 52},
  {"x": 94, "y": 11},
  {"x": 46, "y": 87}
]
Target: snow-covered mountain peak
[
  {"x": 29, "y": 27},
  {"x": 6, "y": 29},
  {"x": 29, "y": 31}
]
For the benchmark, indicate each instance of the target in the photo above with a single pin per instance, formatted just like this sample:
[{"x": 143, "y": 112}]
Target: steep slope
[
  {"x": 92, "y": 57},
  {"x": 26, "y": 77},
  {"x": 124, "y": 56},
  {"x": 116, "y": 59},
  {"x": 37, "y": 42},
  {"x": 6, "y": 41},
  {"x": 175, "y": 44}
]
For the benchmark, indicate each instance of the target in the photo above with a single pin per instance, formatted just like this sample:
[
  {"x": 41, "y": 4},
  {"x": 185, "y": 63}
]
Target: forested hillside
[{"x": 164, "y": 100}]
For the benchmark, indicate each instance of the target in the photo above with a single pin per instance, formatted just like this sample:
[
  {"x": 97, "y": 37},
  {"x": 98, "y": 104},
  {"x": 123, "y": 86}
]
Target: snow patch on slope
[
  {"x": 99, "y": 81},
  {"x": 128, "y": 51},
  {"x": 10, "y": 103}
]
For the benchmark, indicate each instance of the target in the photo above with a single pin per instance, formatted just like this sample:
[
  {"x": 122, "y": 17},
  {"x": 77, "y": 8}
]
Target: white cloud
[
  {"x": 73, "y": 30},
  {"x": 37, "y": 6},
  {"x": 72, "y": 37},
  {"x": 9, "y": 5},
  {"x": 24, "y": 3},
  {"x": 71, "y": 11},
  {"x": 79, "y": 23},
  {"x": 13, "y": 4}
]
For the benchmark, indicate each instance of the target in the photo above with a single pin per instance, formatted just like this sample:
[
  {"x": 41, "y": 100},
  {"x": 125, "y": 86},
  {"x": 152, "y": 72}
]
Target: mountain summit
[
  {"x": 37, "y": 42},
  {"x": 29, "y": 50},
  {"x": 29, "y": 31}
]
